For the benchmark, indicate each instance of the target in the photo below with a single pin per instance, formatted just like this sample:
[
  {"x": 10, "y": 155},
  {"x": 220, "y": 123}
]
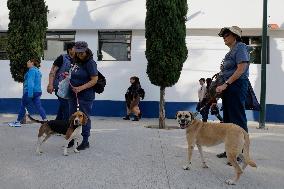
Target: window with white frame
[
  {"x": 255, "y": 52},
  {"x": 114, "y": 45},
  {"x": 3, "y": 46},
  {"x": 56, "y": 42}
]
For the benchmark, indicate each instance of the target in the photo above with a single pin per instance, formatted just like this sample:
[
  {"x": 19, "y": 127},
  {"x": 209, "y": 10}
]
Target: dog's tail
[
  {"x": 246, "y": 151},
  {"x": 35, "y": 120}
]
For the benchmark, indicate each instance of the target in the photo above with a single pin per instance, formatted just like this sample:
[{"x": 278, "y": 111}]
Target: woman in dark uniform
[
  {"x": 235, "y": 72},
  {"x": 84, "y": 76}
]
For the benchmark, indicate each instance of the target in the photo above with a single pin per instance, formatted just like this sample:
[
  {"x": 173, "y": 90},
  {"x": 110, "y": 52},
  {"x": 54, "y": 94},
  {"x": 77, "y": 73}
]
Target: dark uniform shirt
[{"x": 81, "y": 74}]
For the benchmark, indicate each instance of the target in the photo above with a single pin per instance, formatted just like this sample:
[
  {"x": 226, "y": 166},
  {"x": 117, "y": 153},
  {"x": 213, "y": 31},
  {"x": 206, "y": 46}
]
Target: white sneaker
[{"x": 15, "y": 124}]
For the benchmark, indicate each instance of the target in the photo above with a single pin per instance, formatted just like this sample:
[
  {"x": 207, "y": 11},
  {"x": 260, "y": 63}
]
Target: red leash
[
  {"x": 65, "y": 75},
  {"x": 76, "y": 96}
]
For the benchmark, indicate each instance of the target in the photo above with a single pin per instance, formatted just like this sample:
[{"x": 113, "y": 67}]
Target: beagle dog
[
  {"x": 71, "y": 130},
  {"x": 208, "y": 134}
]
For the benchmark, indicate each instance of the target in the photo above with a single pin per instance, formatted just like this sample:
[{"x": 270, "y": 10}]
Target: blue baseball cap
[{"x": 81, "y": 46}]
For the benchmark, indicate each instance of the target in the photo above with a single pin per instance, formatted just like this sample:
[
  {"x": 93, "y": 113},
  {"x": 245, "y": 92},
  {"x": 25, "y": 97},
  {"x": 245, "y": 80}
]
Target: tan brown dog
[
  {"x": 71, "y": 130},
  {"x": 210, "y": 134}
]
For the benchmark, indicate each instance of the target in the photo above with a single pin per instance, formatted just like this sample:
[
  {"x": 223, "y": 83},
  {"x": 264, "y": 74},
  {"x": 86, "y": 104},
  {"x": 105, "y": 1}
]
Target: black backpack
[
  {"x": 141, "y": 93},
  {"x": 101, "y": 83},
  {"x": 251, "y": 100}
]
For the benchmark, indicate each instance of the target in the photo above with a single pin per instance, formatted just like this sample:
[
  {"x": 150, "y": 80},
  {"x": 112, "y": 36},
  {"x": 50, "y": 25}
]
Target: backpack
[
  {"x": 251, "y": 100},
  {"x": 141, "y": 93},
  {"x": 99, "y": 87}
]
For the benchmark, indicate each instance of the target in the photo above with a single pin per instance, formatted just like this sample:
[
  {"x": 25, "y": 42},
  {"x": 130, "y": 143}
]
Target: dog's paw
[
  {"x": 65, "y": 152},
  {"x": 230, "y": 182},
  {"x": 186, "y": 167},
  {"x": 76, "y": 151}
]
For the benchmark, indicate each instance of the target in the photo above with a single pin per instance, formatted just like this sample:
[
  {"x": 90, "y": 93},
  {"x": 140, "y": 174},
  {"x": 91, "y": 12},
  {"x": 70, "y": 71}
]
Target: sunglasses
[{"x": 226, "y": 35}]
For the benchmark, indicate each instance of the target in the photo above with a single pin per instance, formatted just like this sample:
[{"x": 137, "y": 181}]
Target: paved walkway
[{"x": 126, "y": 155}]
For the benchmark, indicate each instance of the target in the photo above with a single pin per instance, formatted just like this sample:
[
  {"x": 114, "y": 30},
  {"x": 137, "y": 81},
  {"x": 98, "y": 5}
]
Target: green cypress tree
[
  {"x": 26, "y": 34},
  {"x": 166, "y": 49}
]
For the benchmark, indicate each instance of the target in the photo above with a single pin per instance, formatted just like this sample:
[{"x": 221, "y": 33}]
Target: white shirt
[{"x": 201, "y": 92}]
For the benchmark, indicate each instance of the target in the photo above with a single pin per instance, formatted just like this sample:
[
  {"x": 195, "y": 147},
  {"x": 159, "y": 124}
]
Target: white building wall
[
  {"x": 275, "y": 71},
  {"x": 205, "y": 55},
  {"x": 206, "y": 50},
  {"x": 118, "y": 73}
]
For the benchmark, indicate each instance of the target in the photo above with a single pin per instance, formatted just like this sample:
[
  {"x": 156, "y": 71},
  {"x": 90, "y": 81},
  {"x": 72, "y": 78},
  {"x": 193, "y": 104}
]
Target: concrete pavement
[{"x": 126, "y": 155}]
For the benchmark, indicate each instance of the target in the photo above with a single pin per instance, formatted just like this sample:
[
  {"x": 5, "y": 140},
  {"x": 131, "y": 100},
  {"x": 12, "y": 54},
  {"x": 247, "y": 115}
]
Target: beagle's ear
[
  {"x": 71, "y": 119},
  {"x": 85, "y": 119},
  {"x": 69, "y": 132}
]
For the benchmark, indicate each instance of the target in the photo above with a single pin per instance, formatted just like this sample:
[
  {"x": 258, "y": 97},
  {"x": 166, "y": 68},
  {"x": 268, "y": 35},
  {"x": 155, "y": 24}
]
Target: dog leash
[{"x": 76, "y": 94}]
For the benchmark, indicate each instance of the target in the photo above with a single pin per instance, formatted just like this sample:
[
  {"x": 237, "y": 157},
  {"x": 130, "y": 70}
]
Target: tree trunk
[{"x": 162, "y": 108}]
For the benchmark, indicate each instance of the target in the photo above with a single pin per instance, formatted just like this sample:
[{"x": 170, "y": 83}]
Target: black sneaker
[
  {"x": 140, "y": 115},
  {"x": 71, "y": 143},
  {"x": 127, "y": 117},
  {"x": 136, "y": 118},
  {"x": 222, "y": 155},
  {"x": 83, "y": 146},
  {"x": 238, "y": 159}
]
